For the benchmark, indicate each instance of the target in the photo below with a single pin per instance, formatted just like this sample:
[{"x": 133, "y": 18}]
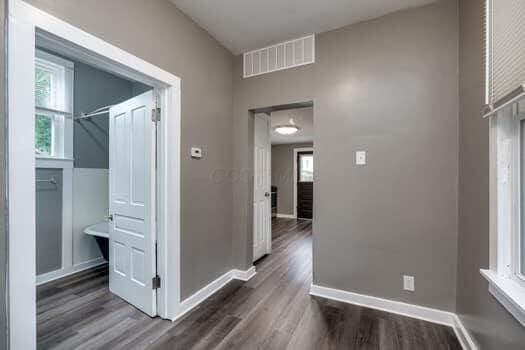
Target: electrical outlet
[
  {"x": 196, "y": 152},
  {"x": 409, "y": 283},
  {"x": 360, "y": 158}
]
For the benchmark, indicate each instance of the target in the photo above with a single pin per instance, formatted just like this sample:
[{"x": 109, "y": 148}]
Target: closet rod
[{"x": 100, "y": 111}]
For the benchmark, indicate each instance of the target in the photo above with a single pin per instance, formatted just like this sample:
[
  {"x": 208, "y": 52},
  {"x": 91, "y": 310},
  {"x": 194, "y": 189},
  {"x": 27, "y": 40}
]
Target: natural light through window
[
  {"x": 53, "y": 104},
  {"x": 307, "y": 168}
]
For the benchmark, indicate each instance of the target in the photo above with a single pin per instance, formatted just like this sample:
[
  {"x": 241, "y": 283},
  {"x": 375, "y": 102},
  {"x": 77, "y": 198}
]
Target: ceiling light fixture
[{"x": 287, "y": 129}]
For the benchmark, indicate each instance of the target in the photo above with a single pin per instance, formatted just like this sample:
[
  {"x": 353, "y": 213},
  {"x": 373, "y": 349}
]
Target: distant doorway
[
  {"x": 305, "y": 184},
  {"x": 281, "y": 175}
]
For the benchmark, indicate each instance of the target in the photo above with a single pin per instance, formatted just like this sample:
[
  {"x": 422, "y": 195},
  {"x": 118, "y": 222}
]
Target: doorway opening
[
  {"x": 283, "y": 172},
  {"x": 93, "y": 150}
]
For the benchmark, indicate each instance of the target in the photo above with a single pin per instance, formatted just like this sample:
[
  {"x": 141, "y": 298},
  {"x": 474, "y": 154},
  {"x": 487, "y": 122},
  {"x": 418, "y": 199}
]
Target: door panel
[
  {"x": 131, "y": 191},
  {"x": 262, "y": 234},
  {"x": 305, "y": 185}
]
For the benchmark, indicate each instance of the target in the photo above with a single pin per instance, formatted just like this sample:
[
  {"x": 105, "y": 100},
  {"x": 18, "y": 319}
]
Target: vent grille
[{"x": 288, "y": 54}]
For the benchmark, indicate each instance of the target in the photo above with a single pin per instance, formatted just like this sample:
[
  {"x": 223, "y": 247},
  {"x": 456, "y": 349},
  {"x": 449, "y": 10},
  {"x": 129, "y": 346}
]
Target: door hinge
[
  {"x": 155, "y": 282},
  {"x": 155, "y": 115}
]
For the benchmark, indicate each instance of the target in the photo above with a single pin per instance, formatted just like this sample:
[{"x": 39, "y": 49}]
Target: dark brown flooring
[{"x": 271, "y": 311}]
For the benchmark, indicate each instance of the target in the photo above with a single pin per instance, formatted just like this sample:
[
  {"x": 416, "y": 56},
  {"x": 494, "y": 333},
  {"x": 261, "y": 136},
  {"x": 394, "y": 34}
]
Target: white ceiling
[
  {"x": 243, "y": 25},
  {"x": 303, "y": 117}
]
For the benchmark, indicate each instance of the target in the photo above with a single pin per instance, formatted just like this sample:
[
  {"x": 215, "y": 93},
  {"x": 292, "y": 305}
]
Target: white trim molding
[
  {"x": 445, "y": 318},
  {"x": 464, "y": 337},
  {"x": 54, "y": 275},
  {"x": 286, "y": 216},
  {"x": 396, "y": 307},
  {"x": 508, "y": 292},
  {"x": 25, "y": 23},
  {"x": 243, "y": 275},
  {"x": 202, "y": 294}
]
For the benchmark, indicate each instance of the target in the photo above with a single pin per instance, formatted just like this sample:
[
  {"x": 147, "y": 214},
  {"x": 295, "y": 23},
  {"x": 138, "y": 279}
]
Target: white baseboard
[
  {"x": 465, "y": 338},
  {"x": 286, "y": 216},
  {"x": 396, "y": 307},
  {"x": 204, "y": 293},
  {"x": 244, "y": 275},
  {"x": 54, "y": 275}
]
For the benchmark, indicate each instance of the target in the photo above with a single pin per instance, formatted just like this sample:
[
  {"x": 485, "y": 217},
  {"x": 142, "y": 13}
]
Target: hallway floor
[{"x": 271, "y": 311}]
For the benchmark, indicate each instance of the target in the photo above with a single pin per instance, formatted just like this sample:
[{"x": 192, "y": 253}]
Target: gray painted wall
[
  {"x": 282, "y": 175},
  {"x": 492, "y": 326},
  {"x": 49, "y": 221},
  {"x": 94, "y": 89},
  {"x": 176, "y": 44},
  {"x": 388, "y": 86}
]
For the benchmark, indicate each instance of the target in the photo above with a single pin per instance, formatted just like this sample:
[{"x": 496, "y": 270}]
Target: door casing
[{"x": 25, "y": 23}]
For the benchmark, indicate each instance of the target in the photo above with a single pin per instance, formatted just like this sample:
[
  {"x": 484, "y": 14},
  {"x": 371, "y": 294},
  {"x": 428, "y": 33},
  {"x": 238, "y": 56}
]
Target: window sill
[{"x": 508, "y": 292}]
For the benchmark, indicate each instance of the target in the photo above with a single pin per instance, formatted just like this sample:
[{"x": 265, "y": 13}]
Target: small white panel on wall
[
  {"x": 288, "y": 54},
  {"x": 90, "y": 205}
]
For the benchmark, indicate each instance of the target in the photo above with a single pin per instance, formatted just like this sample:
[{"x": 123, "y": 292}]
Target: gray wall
[
  {"x": 3, "y": 216},
  {"x": 158, "y": 32},
  {"x": 492, "y": 326},
  {"x": 388, "y": 86},
  {"x": 94, "y": 89},
  {"x": 49, "y": 221},
  {"x": 282, "y": 175}
]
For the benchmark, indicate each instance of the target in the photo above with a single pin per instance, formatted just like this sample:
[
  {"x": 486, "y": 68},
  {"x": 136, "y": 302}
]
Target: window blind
[{"x": 506, "y": 40}]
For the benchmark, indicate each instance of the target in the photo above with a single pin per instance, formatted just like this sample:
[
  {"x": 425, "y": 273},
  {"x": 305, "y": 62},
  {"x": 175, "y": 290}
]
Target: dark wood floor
[{"x": 271, "y": 311}]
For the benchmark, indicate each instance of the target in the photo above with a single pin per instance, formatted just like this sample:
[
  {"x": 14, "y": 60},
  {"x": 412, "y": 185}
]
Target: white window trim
[
  {"x": 504, "y": 283},
  {"x": 63, "y": 142}
]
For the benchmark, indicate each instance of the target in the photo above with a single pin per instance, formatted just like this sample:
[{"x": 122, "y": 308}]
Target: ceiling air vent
[{"x": 288, "y": 54}]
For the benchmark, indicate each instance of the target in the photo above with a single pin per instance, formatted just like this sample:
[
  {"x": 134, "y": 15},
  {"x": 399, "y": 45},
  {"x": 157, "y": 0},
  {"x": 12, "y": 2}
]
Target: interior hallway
[{"x": 271, "y": 311}]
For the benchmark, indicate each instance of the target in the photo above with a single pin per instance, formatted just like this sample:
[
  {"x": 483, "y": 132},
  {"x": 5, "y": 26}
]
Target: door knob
[{"x": 267, "y": 194}]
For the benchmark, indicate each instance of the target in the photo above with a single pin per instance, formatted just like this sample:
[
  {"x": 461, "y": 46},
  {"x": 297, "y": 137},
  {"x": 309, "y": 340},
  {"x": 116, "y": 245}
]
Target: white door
[
  {"x": 262, "y": 230},
  {"x": 132, "y": 255}
]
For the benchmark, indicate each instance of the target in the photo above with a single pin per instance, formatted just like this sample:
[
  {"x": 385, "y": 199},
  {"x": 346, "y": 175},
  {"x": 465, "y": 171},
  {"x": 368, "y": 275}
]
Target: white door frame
[
  {"x": 295, "y": 151},
  {"x": 24, "y": 22}
]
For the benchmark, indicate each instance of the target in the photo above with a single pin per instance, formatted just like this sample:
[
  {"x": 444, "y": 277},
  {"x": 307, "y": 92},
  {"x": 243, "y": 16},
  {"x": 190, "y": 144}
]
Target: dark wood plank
[{"x": 271, "y": 311}]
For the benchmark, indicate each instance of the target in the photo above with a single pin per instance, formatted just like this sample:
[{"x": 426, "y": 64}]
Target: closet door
[{"x": 132, "y": 255}]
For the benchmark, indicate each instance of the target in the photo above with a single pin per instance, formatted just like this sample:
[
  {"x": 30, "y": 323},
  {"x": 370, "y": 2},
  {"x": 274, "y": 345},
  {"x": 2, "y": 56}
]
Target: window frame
[
  {"x": 61, "y": 111},
  {"x": 506, "y": 280}
]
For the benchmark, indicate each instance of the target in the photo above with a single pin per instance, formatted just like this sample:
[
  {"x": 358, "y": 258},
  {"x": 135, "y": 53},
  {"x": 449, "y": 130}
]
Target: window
[
  {"x": 306, "y": 167},
  {"x": 505, "y": 98},
  {"x": 53, "y": 106},
  {"x": 506, "y": 275}
]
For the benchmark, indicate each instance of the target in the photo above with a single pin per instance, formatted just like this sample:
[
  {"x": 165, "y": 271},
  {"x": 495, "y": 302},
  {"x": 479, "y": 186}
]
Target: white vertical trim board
[
  {"x": 295, "y": 151},
  {"x": 202, "y": 294},
  {"x": 25, "y": 23}
]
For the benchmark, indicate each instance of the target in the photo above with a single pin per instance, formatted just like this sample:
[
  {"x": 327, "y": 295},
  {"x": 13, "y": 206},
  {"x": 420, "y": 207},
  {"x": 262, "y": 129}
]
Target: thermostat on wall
[{"x": 196, "y": 152}]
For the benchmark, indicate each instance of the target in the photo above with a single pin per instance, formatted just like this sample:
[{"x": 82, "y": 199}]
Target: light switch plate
[
  {"x": 196, "y": 152},
  {"x": 409, "y": 283},
  {"x": 360, "y": 158}
]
